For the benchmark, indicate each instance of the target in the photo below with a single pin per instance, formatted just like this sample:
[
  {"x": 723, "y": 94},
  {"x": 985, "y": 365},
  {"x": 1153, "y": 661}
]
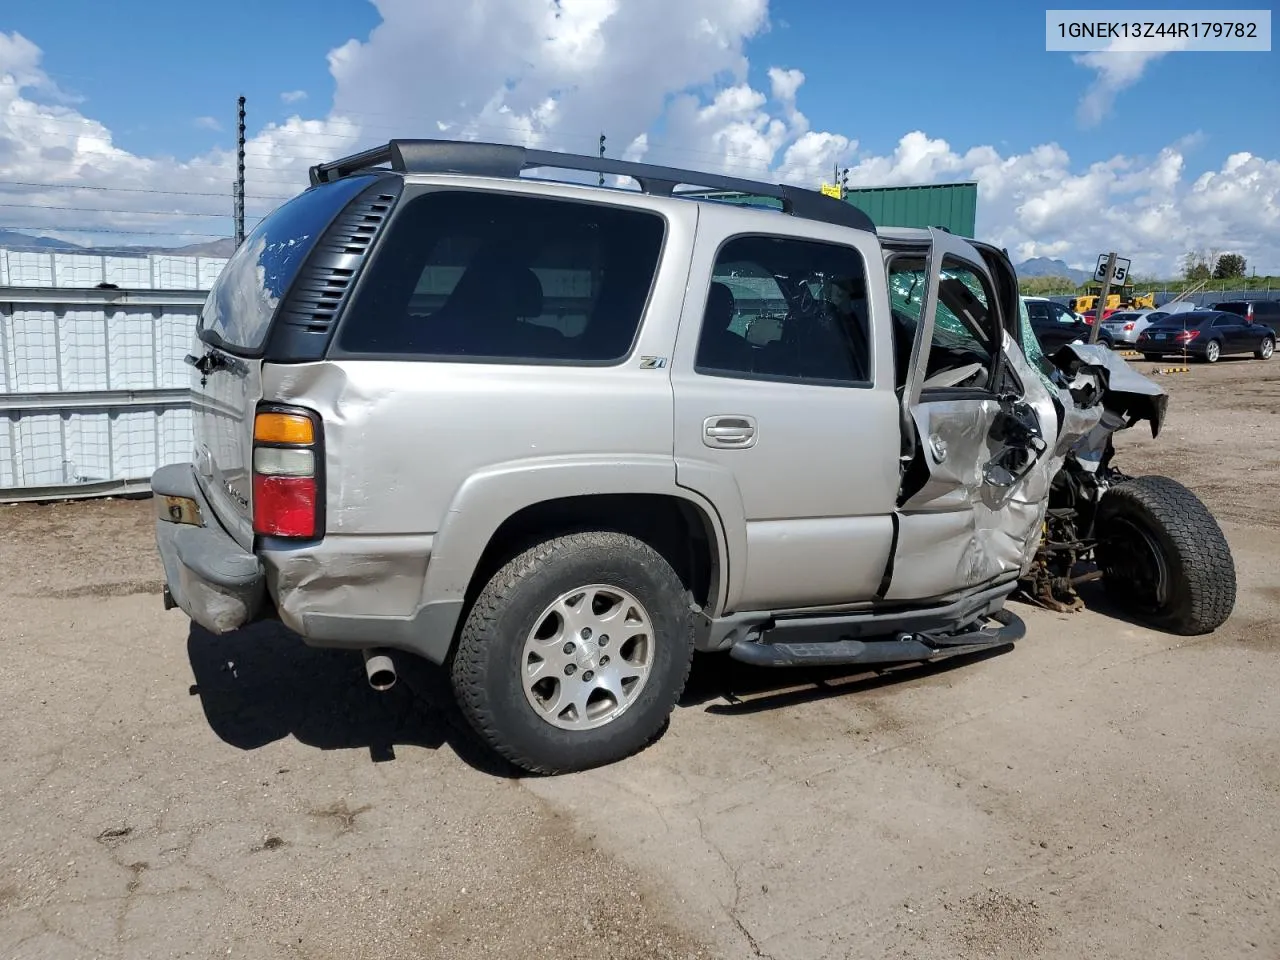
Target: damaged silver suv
[{"x": 558, "y": 437}]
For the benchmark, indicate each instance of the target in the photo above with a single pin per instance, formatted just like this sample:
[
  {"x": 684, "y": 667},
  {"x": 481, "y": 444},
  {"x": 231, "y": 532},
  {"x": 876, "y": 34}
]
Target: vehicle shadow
[
  {"x": 729, "y": 687},
  {"x": 263, "y": 683}
]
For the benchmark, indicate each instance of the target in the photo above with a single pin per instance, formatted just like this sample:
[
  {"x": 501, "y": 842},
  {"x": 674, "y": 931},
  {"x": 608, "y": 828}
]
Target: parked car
[
  {"x": 557, "y": 437},
  {"x": 1055, "y": 325},
  {"x": 1266, "y": 311},
  {"x": 1207, "y": 335},
  {"x": 1124, "y": 327}
]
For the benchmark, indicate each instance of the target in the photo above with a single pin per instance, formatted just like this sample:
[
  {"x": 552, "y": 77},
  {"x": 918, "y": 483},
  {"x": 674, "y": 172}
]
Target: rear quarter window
[
  {"x": 237, "y": 313},
  {"x": 474, "y": 275}
]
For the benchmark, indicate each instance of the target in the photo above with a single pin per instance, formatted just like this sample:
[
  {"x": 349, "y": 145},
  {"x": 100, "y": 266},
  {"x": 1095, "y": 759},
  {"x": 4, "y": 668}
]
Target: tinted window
[
  {"x": 784, "y": 309},
  {"x": 1225, "y": 322},
  {"x": 1241, "y": 309},
  {"x": 490, "y": 276},
  {"x": 1181, "y": 320},
  {"x": 238, "y": 311},
  {"x": 1061, "y": 314}
]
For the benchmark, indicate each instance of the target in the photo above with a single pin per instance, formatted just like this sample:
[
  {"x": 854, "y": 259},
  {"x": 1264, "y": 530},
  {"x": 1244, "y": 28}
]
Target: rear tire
[
  {"x": 1265, "y": 349},
  {"x": 511, "y": 670},
  {"x": 1212, "y": 351},
  {"x": 1164, "y": 557}
]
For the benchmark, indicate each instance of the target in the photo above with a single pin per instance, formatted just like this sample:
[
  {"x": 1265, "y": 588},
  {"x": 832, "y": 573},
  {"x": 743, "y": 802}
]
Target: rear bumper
[{"x": 208, "y": 575}]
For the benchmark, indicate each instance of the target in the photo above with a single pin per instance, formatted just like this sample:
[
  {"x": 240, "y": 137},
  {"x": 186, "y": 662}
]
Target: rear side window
[
  {"x": 237, "y": 313},
  {"x": 487, "y": 276},
  {"x": 1240, "y": 309}
]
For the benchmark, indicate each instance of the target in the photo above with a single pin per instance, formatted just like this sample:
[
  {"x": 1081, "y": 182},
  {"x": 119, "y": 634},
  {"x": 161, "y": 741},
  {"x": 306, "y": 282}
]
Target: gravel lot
[{"x": 1102, "y": 790}]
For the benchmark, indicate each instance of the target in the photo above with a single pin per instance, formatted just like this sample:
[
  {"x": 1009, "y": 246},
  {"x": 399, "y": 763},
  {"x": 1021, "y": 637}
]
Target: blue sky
[
  {"x": 1187, "y": 157},
  {"x": 977, "y": 77}
]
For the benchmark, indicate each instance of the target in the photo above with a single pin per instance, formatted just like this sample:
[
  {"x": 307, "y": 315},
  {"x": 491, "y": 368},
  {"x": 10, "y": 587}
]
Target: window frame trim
[
  {"x": 998, "y": 361},
  {"x": 422, "y": 191},
  {"x": 698, "y": 370}
]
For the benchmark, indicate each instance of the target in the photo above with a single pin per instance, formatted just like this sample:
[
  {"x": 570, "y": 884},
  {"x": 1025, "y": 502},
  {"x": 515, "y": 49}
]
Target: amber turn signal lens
[{"x": 283, "y": 428}]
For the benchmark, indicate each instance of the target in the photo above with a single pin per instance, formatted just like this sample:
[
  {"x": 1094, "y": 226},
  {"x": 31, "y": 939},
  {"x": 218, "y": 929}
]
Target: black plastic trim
[
  {"x": 509, "y": 161},
  {"x": 305, "y": 322}
]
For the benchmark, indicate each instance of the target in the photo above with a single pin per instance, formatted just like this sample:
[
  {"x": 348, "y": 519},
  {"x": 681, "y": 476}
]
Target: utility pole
[
  {"x": 602, "y": 157},
  {"x": 1102, "y": 300},
  {"x": 239, "y": 188}
]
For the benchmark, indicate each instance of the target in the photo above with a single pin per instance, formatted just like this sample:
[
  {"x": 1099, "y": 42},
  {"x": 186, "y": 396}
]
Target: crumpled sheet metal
[
  {"x": 1125, "y": 390},
  {"x": 942, "y": 546}
]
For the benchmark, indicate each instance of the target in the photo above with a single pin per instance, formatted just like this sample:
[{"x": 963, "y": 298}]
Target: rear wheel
[
  {"x": 1265, "y": 349},
  {"x": 575, "y": 652},
  {"x": 1212, "y": 351},
  {"x": 1164, "y": 557}
]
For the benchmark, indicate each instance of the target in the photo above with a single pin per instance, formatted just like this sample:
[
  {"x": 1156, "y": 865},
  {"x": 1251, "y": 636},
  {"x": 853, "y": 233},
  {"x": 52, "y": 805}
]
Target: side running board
[{"x": 905, "y": 648}]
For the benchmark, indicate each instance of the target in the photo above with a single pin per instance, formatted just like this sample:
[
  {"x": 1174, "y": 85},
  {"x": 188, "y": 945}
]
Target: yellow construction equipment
[{"x": 1124, "y": 299}]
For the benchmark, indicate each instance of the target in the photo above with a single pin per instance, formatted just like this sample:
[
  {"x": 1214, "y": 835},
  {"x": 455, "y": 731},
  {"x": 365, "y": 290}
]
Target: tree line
[{"x": 1196, "y": 266}]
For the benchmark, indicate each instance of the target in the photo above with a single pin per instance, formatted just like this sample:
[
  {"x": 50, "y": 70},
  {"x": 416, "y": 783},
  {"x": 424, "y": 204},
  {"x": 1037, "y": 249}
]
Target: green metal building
[{"x": 950, "y": 205}]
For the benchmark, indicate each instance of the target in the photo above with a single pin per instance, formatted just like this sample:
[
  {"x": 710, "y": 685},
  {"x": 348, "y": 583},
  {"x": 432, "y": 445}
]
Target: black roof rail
[{"x": 508, "y": 160}]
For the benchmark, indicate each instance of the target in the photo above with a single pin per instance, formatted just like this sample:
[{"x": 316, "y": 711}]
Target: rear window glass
[
  {"x": 238, "y": 311},
  {"x": 1240, "y": 309},
  {"x": 488, "y": 276}
]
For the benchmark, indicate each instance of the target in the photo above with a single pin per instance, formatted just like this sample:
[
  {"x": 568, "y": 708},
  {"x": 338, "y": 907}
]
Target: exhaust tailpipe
[{"x": 380, "y": 669}]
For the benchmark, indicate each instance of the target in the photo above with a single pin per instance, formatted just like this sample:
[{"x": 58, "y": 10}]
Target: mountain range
[
  {"x": 24, "y": 241},
  {"x": 1045, "y": 267}
]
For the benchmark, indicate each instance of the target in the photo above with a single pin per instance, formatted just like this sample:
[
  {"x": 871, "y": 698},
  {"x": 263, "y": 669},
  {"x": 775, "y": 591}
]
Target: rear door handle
[{"x": 729, "y": 431}]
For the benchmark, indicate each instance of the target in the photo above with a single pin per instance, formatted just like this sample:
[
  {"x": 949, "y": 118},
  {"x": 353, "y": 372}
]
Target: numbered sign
[{"x": 1118, "y": 277}]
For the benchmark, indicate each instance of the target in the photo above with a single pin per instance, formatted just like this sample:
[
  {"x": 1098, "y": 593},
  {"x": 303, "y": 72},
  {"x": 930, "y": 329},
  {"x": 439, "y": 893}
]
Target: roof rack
[{"x": 507, "y": 160}]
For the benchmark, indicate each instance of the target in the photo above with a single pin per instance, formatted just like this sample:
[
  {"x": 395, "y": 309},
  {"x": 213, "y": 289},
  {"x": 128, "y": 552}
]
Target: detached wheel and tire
[
  {"x": 1265, "y": 349},
  {"x": 1164, "y": 557},
  {"x": 575, "y": 652}
]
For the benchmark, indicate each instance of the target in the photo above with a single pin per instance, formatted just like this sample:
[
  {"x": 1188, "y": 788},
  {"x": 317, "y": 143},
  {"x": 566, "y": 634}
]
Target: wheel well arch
[{"x": 679, "y": 529}]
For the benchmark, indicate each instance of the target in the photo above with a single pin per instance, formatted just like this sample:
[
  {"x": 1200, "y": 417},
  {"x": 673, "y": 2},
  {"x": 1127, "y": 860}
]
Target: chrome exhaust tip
[{"x": 380, "y": 669}]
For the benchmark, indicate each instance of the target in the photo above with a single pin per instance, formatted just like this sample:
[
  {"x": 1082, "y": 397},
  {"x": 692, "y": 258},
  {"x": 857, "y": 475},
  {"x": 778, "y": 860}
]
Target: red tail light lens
[
  {"x": 286, "y": 474},
  {"x": 1186, "y": 336},
  {"x": 284, "y": 506},
  {"x": 1128, "y": 326}
]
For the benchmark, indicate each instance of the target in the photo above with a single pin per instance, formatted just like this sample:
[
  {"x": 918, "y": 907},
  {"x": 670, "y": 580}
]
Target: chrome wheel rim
[
  {"x": 1267, "y": 347},
  {"x": 1211, "y": 351},
  {"x": 588, "y": 657}
]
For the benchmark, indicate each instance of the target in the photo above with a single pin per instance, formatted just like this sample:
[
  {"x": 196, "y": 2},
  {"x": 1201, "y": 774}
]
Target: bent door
[{"x": 965, "y": 513}]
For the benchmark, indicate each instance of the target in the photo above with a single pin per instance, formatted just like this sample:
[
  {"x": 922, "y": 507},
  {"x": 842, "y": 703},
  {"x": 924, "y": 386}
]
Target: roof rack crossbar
[{"x": 507, "y": 160}]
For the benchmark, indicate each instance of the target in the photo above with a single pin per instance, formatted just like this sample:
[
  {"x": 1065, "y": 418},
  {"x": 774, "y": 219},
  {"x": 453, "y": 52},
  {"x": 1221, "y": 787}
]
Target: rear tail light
[
  {"x": 286, "y": 474},
  {"x": 1186, "y": 336},
  {"x": 1128, "y": 326}
]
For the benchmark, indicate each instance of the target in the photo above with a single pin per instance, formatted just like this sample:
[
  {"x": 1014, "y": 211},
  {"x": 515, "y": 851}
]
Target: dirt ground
[{"x": 1099, "y": 791}]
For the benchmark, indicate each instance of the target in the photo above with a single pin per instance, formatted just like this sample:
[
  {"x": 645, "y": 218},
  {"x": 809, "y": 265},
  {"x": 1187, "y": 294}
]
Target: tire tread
[
  {"x": 472, "y": 654},
  {"x": 1202, "y": 567}
]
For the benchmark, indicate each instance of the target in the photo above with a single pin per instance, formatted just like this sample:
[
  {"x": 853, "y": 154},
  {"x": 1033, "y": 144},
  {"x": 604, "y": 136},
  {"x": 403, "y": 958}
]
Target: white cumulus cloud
[
  {"x": 667, "y": 81},
  {"x": 293, "y": 96}
]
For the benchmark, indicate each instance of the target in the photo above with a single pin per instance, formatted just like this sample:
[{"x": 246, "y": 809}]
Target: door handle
[{"x": 729, "y": 431}]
